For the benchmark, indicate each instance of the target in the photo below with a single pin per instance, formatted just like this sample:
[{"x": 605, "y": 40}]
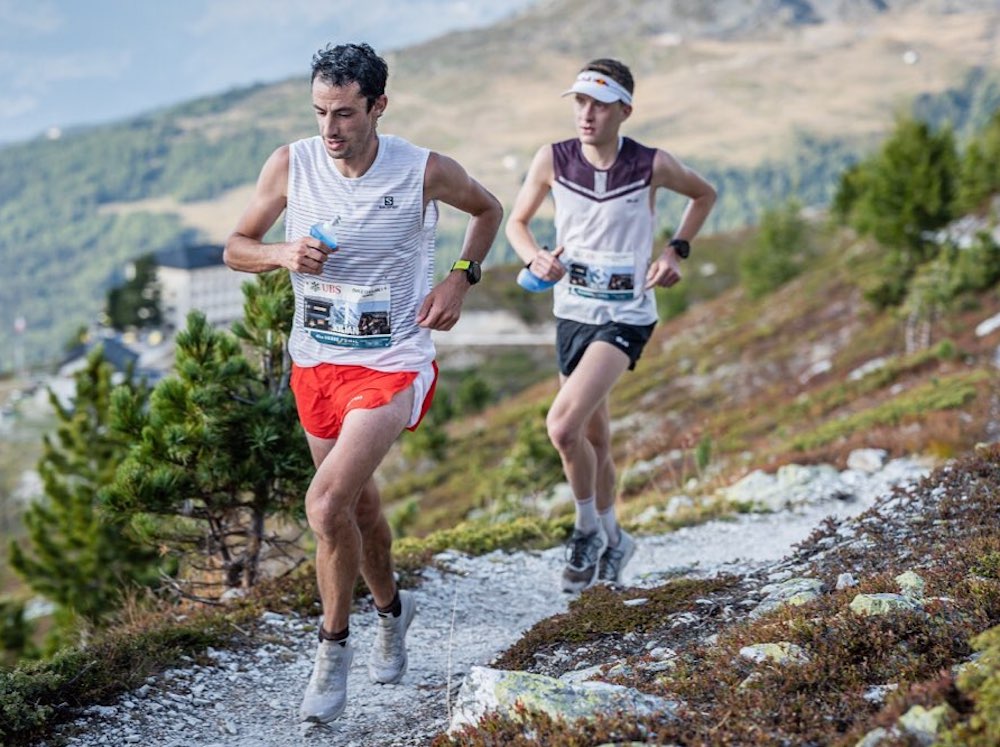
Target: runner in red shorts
[{"x": 365, "y": 304}]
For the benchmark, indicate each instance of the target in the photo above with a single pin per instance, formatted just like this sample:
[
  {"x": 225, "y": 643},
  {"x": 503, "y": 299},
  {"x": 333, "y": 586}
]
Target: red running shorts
[{"x": 325, "y": 393}]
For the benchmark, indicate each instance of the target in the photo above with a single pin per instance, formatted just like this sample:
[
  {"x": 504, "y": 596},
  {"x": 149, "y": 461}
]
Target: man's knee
[
  {"x": 563, "y": 433},
  {"x": 327, "y": 512}
]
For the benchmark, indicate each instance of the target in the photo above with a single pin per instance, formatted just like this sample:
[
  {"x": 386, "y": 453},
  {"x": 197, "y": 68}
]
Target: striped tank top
[
  {"x": 362, "y": 309},
  {"x": 604, "y": 219}
]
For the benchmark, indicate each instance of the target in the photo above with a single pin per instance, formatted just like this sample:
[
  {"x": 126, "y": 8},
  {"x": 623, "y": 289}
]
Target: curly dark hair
[
  {"x": 344, "y": 64},
  {"x": 617, "y": 71}
]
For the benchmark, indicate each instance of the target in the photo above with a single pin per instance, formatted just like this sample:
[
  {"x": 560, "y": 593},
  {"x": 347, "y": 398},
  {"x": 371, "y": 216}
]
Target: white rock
[{"x": 867, "y": 460}]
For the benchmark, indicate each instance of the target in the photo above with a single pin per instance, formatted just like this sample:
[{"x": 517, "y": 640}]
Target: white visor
[{"x": 599, "y": 86}]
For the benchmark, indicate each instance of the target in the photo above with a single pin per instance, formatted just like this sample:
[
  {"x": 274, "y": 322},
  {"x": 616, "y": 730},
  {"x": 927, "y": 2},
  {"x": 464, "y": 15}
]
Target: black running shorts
[{"x": 572, "y": 339}]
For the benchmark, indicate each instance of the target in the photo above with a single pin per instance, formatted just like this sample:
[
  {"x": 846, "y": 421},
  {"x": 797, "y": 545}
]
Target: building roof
[
  {"x": 114, "y": 351},
  {"x": 190, "y": 257}
]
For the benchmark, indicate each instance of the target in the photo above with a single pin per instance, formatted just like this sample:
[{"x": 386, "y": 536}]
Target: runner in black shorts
[
  {"x": 572, "y": 339},
  {"x": 604, "y": 189}
]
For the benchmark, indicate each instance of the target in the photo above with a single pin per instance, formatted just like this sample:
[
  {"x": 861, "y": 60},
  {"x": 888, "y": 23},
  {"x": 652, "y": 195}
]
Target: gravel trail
[{"x": 469, "y": 610}]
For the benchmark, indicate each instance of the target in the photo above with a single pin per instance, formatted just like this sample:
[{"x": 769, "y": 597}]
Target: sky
[{"x": 78, "y": 62}]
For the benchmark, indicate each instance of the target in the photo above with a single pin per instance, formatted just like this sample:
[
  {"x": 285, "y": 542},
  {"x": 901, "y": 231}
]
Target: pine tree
[
  {"x": 910, "y": 187},
  {"x": 77, "y": 555},
  {"x": 980, "y": 168},
  {"x": 219, "y": 450},
  {"x": 899, "y": 196}
]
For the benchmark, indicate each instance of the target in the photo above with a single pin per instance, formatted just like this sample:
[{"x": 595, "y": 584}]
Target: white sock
[
  {"x": 610, "y": 522},
  {"x": 587, "y": 520}
]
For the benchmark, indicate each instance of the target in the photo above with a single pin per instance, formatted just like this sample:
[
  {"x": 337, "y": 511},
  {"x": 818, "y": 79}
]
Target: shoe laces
[
  {"x": 582, "y": 549},
  {"x": 390, "y": 641},
  {"x": 329, "y": 662}
]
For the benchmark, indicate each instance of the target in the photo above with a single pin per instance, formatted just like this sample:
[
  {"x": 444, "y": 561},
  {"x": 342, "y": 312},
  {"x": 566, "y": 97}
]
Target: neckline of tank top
[
  {"x": 621, "y": 143},
  {"x": 351, "y": 180}
]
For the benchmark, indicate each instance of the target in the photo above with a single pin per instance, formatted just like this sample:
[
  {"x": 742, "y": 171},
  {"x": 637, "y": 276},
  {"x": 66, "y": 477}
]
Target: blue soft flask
[
  {"x": 325, "y": 232},
  {"x": 531, "y": 282}
]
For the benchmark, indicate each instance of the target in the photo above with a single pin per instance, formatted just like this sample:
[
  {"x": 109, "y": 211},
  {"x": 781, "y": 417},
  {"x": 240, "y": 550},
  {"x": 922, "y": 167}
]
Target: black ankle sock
[
  {"x": 394, "y": 608},
  {"x": 339, "y": 637}
]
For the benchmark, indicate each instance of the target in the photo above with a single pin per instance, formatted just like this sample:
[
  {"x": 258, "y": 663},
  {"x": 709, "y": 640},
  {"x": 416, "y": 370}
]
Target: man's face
[
  {"x": 346, "y": 125},
  {"x": 597, "y": 123}
]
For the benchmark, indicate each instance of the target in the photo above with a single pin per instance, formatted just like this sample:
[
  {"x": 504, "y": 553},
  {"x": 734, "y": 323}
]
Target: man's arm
[
  {"x": 245, "y": 249},
  {"x": 670, "y": 173},
  {"x": 536, "y": 186},
  {"x": 447, "y": 181}
]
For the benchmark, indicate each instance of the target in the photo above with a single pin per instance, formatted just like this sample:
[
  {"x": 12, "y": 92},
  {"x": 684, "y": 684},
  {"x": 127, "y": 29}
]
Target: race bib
[
  {"x": 347, "y": 316},
  {"x": 608, "y": 276}
]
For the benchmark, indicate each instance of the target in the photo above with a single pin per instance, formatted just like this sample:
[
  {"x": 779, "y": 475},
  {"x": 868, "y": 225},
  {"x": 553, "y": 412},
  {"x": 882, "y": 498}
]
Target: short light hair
[{"x": 617, "y": 71}]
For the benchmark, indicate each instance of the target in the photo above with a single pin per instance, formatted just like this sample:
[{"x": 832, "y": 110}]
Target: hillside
[
  {"x": 803, "y": 376},
  {"x": 768, "y": 98}
]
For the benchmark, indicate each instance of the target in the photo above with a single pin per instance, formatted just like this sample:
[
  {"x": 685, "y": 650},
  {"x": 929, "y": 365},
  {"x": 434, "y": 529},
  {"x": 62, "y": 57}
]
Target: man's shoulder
[
  {"x": 570, "y": 145},
  {"x": 628, "y": 142},
  {"x": 304, "y": 147},
  {"x": 395, "y": 143}
]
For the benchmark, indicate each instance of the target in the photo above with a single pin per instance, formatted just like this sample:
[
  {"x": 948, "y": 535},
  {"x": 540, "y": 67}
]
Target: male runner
[
  {"x": 604, "y": 188},
  {"x": 363, "y": 360}
]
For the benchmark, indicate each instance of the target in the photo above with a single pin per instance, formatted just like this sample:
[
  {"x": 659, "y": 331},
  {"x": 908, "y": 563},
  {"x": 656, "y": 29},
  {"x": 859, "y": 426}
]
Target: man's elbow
[{"x": 228, "y": 252}]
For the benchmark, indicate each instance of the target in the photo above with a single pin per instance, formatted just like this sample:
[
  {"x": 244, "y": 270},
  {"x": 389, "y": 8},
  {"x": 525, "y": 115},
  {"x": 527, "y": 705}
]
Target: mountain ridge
[{"x": 765, "y": 116}]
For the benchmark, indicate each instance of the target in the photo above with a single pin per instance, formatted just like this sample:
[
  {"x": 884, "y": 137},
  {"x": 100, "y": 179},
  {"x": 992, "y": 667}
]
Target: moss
[
  {"x": 979, "y": 681},
  {"x": 601, "y": 611}
]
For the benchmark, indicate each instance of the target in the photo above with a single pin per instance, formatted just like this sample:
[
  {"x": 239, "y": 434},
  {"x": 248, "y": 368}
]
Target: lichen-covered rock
[
  {"x": 795, "y": 591},
  {"x": 781, "y": 652},
  {"x": 911, "y": 584},
  {"x": 485, "y": 690},
  {"x": 873, "y": 738},
  {"x": 923, "y": 724},
  {"x": 884, "y": 604}
]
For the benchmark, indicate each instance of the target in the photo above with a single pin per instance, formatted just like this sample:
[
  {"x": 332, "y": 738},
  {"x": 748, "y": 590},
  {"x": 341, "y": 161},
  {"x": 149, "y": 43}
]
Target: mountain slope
[{"x": 768, "y": 98}]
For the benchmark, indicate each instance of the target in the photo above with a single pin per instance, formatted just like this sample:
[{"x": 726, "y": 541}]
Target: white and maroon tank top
[
  {"x": 604, "y": 219},
  {"x": 362, "y": 310}
]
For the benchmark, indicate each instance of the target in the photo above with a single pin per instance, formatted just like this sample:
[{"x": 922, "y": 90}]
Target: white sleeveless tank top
[
  {"x": 604, "y": 219},
  {"x": 362, "y": 310}
]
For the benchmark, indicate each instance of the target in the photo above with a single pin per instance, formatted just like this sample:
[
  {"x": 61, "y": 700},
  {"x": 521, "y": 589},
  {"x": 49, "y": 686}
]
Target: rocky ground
[{"x": 471, "y": 609}]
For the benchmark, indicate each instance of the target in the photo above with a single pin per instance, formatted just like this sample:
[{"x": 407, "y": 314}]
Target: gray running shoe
[
  {"x": 614, "y": 559},
  {"x": 583, "y": 551},
  {"x": 388, "y": 661},
  {"x": 326, "y": 694}
]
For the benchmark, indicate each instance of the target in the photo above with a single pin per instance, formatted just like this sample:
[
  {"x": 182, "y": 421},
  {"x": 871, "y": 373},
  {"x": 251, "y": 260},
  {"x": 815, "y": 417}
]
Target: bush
[{"x": 779, "y": 253}]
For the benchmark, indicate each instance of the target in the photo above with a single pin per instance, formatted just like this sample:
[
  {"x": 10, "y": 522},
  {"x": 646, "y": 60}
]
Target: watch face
[{"x": 475, "y": 272}]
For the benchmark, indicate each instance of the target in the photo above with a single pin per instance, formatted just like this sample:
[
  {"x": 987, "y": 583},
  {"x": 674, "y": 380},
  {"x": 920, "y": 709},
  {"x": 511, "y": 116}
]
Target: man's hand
[
  {"x": 546, "y": 264},
  {"x": 664, "y": 272},
  {"x": 443, "y": 305},
  {"x": 306, "y": 255}
]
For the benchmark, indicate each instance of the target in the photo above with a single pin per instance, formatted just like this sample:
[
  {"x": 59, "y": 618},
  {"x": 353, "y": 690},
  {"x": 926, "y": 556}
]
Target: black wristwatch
[
  {"x": 682, "y": 247},
  {"x": 473, "y": 272}
]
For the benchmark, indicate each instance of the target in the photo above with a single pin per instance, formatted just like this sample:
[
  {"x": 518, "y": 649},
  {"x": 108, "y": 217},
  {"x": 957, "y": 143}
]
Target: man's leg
[
  {"x": 333, "y": 499},
  {"x": 579, "y": 428},
  {"x": 581, "y": 395},
  {"x": 376, "y": 546},
  {"x": 343, "y": 511},
  {"x": 388, "y": 660}
]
